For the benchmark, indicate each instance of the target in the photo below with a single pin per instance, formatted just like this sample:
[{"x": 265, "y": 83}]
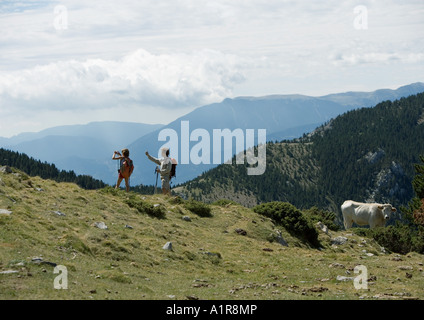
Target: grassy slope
[{"x": 210, "y": 260}]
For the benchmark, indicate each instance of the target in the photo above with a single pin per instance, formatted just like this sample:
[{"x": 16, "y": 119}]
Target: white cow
[{"x": 372, "y": 214}]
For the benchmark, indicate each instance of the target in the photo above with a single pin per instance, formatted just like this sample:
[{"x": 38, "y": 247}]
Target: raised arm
[
  {"x": 114, "y": 156},
  {"x": 153, "y": 159}
]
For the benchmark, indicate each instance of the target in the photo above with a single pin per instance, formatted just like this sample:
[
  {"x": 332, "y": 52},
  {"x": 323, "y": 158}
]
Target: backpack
[
  {"x": 127, "y": 167},
  {"x": 173, "y": 172}
]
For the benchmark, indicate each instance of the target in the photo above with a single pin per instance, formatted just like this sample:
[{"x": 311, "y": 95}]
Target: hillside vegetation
[
  {"x": 365, "y": 155},
  {"x": 219, "y": 251},
  {"x": 46, "y": 170},
  {"x": 291, "y": 175}
]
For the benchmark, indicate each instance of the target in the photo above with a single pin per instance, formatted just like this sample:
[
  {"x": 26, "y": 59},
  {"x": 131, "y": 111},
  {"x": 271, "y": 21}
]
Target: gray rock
[
  {"x": 322, "y": 227},
  {"x": 167, "y": 246},
  {"x": 186, "y": 218},
  {"x": 213, "y": 254},
  {"x": 39, "y": 260},
  {"x": 373, "y": 157},
  {"x": 405, "y": 268},
  {"x": 9, "y": 272},
  {"x": 100, "y": 225},
  {"x": 5, "y": 169},
  {"x": 343, "y": 278},
  {"x": 339, "y": 240},
  {"x": 279, "y": 238},
  {"x": 337, "y": 265},
  {"x": 128, "y": 226},
  {"x": 59, "y": 213},
  {"x": 5, "y": 212}
]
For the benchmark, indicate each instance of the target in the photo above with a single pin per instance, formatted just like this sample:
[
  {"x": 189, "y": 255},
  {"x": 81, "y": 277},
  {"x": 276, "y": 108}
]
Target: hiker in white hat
[{"x": 164, "y": 170}]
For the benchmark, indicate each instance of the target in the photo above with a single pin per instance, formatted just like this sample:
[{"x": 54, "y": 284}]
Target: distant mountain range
[
  {"x": 87, "y": 149},
  {"x": 283, "y": 116}
]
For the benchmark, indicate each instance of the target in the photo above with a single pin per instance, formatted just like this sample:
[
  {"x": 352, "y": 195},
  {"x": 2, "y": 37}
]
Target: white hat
[{"x": 164, "y": 150}]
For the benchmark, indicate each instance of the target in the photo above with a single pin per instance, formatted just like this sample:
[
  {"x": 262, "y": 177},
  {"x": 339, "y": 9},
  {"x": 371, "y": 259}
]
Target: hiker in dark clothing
[{"x": 126, "y": 168}]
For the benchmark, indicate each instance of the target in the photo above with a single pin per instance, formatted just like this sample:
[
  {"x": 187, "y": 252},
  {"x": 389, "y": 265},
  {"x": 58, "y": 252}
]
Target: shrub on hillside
[
  {"x": 224, "y": 202},
  {"x": 176, "y": 200},
  {"x": 199, "y": 208},
  {"x": 326, "y": 217},
  {"x": 156, "y": 211},
  {"x": 291, "y": 219},
  {"x": 110, "y": 190},
  {"x": 399, "y": 238}
]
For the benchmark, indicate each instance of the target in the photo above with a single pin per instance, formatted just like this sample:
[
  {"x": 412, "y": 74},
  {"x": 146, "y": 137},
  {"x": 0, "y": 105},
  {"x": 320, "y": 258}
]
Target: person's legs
[
  {"x": 165, "y": 186},
  {"x": 118, "y": 183},
  {"x": 120, "y": 178},
  {"x": 127, "y": 184}
]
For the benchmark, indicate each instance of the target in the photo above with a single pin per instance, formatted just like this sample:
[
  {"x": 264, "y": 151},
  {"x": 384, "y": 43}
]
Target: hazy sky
[{"x": 69, "y": 62}]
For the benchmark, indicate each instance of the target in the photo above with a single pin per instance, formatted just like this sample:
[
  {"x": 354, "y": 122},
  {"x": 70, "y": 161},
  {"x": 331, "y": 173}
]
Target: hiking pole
[{"x": 156, "y": 184}]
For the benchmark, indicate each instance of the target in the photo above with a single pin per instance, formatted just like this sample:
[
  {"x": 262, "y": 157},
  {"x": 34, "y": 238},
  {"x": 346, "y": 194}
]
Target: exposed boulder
[
  {"x": 373, "y": 157},
  {"x": 168, "y": 246},
  {"x": 5, "y": 169},
  {"x": 279, "y": 238},
  {"x": 9, "y": 272},
  {"x": 339, "y": 240},
  {"x": 322, "y": 227},
  {"x": 5, "y": 212},
  {"x": 100, "y": 225}
]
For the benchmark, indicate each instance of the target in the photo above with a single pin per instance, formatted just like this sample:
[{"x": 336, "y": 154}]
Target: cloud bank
[{"x": 166, "y": 80}]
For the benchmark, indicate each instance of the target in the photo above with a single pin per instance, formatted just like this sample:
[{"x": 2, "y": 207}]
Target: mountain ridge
[
  {"x": 284, "y": 116},
  {"x": 276, "y": 113},
  {"x": 110, "y": 129}
]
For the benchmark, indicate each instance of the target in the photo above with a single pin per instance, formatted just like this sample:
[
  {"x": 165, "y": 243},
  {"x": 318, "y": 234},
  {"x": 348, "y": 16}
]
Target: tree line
[{"x": 45, "y": 170}]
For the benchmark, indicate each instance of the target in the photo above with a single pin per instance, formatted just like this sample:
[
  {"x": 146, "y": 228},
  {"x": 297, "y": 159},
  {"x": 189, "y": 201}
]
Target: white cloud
[
  {"x": 354, "y": 59},
  {"x": 167, "y": 80}
]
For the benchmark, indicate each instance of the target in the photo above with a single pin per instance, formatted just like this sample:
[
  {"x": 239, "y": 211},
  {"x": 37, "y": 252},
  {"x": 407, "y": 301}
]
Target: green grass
[{"x": 210, "y": 260}]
